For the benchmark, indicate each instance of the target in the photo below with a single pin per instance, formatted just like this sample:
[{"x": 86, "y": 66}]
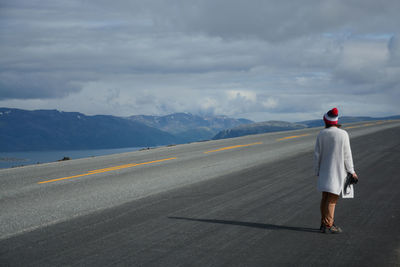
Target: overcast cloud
[{"x": 262, "y": 60}]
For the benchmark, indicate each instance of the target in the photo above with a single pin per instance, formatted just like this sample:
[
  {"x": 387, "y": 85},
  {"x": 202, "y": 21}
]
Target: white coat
[{"x": 332, "y": 159}]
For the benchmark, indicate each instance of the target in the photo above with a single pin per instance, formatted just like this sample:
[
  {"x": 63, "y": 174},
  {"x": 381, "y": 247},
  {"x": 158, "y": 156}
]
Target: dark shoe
[{"x": 331, "y": 230}]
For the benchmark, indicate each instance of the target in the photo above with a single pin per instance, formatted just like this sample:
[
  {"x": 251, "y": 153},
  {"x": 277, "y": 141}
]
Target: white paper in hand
[{"x": 349, "y": 192}]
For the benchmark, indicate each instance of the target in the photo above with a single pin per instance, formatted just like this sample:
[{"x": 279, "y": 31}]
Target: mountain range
[
  {"x": 348, "y": 119},
  {"x": 258, "y": 128},
  {"x": 23, "y": 130},
  {"x": 275, "y": 126},
  {"x": 190, "y": 128}
]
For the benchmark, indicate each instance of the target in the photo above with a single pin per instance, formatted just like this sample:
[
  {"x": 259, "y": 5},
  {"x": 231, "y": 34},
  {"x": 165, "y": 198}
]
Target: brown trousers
[{"x": 328, "y": 204}]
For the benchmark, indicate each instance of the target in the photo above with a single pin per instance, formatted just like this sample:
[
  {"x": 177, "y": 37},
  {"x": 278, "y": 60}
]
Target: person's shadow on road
[{"x": 251, "y": 224}]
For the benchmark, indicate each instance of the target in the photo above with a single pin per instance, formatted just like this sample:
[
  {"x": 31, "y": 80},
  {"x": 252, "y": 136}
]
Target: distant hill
[
  {"x": 347, "y": 119},
  {"x": 22, "y": 130},
  {"x": 275, "y": 126},
  {"x": 257, "y": 128},
  {"x": 187, "y": 127}
]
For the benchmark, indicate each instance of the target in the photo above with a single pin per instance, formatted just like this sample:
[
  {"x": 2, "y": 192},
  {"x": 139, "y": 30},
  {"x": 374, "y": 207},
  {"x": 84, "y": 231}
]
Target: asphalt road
[{"x": 247, "y": 201}]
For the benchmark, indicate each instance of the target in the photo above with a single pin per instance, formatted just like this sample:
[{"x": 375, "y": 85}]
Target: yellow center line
[
  {"x": 364, "y": 125},
  {"x": 106, "y": 170},
  {"x": 291, "y": 137},
  {"x": 232, "y": 147}
]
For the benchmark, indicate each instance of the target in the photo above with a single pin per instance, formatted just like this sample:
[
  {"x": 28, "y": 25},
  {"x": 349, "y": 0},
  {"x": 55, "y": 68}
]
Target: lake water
[{"x": 15, "y": 159}]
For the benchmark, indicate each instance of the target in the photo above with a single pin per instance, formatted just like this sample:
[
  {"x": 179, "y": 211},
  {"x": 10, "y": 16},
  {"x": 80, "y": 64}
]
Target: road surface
[{"x": 249, "y": 201}]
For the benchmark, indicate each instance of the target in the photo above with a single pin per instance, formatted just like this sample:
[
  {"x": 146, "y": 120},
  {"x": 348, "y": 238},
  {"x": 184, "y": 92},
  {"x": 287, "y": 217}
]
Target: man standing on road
[{"x": 333, "y": 160}]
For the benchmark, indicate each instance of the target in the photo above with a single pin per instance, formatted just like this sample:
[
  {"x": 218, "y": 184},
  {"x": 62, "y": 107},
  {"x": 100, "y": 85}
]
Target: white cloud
[
  {"x": 270, "y": 103},
  {"x": 242, "y": 95}
]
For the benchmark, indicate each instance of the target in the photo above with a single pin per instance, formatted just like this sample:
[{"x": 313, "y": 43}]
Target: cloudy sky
[{"x": 256, "y": 59}]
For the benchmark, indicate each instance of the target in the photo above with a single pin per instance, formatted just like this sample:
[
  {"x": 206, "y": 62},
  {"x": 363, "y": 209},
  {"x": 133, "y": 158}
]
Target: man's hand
[{"x": 355, "y": 176}]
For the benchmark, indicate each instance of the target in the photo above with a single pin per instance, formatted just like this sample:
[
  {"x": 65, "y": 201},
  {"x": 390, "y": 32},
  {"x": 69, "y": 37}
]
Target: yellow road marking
[
  {"x": 291, "y": 137},
  {"x": 106, "y": 170},
  {"x": 363, "y": 125},
  {"x": 232, "y": 147},
  {"x": 351, "y": 127}
]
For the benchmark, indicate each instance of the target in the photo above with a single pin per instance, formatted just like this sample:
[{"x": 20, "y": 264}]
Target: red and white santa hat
[{"x": 332, "y": 117}]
